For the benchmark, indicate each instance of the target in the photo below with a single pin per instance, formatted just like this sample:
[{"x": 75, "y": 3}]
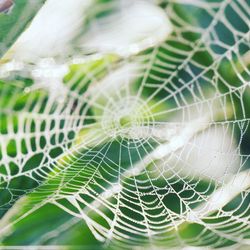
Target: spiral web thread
[{"x": 152, "y": 143}]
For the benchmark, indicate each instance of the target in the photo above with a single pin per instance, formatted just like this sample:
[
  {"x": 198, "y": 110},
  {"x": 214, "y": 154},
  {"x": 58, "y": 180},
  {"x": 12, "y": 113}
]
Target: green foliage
[{"x": 14, "y": 22}]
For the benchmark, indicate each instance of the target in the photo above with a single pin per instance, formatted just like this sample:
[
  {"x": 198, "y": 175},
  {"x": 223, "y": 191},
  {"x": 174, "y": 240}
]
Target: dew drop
[{"x": 26, "y": 90}]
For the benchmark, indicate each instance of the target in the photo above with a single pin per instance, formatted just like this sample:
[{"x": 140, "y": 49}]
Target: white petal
[
  {"x": 139, "y": 25},
  {"x": 52, "y": 30}
]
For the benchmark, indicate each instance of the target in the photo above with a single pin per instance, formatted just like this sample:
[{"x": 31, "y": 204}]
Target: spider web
[{"x": 146, "y": 144}]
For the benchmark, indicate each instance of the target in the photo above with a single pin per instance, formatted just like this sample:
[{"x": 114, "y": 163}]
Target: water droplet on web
[{"x": 26, "y": 90}]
